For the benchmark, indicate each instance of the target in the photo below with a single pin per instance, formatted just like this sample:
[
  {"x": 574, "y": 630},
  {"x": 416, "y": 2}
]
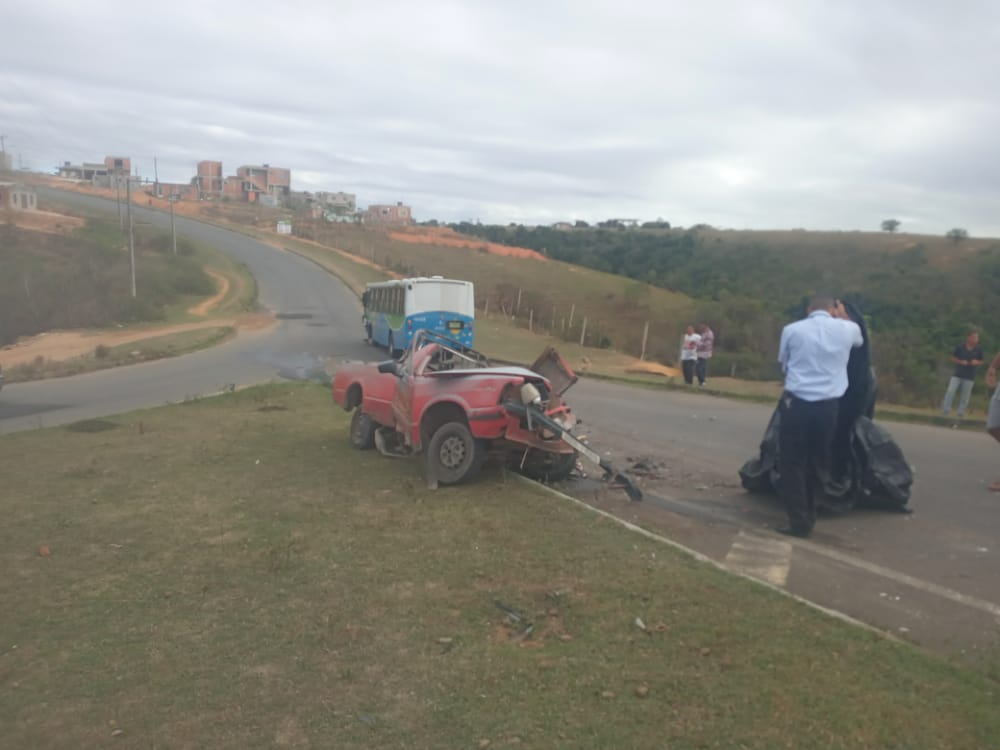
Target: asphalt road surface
[{"x": 930, "y": 577}]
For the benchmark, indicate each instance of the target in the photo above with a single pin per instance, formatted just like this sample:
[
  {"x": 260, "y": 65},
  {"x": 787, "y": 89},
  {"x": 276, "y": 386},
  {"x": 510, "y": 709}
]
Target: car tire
[
  {"x": 543, "y": 466},
  {"x": 392, "y": 346},
  {"x": 453, "y": 454},
  {"x": 362, "y": 431}
]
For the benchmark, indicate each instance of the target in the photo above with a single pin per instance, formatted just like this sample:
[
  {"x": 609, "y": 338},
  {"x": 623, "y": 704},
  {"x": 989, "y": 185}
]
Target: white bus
[{"x": 395, "y": 310}]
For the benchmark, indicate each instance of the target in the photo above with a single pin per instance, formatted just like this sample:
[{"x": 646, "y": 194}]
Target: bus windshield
[{"x": 431, "y": 296}]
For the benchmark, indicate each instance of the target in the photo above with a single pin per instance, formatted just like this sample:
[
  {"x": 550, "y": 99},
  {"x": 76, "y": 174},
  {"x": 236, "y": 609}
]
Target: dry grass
[
  {"x": 103, "y": 357},
  {"x": 229, "y": 573}
]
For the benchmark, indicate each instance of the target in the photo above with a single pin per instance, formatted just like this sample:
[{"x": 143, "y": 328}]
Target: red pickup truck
[{"x": 448, "y": 401}]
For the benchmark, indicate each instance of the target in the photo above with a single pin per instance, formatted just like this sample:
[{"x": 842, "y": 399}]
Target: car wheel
[
  {"x": 362, "y": 431},
  {"x": 543, "y": 466},
  {"x": 392, "y": 346},
  {"x": 453, "y": 454}
]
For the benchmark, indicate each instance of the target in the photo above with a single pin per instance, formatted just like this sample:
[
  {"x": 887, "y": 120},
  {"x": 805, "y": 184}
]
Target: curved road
[
  {"x": 318, "y": 318},
  {"x": 930, "y": 576}
]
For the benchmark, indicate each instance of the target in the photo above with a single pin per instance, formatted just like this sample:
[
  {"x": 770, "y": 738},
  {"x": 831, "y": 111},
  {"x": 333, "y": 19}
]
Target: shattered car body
[{"x": 449, "y": 402}]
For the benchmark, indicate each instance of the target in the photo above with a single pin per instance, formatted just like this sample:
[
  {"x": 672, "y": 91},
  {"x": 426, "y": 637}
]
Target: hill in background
[{"x": 919, "y": 294}]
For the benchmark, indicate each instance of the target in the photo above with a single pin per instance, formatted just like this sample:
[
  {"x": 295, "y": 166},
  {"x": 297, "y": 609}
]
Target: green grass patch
[
  {"x": 230, "y": 573},
  {"x": 241, "y": 296},
  {"x": 105, "y": 357}
]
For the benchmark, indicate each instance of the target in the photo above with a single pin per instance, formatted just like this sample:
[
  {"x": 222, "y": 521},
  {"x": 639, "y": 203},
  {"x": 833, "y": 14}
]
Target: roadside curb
[{"x": 700, "y": 557}]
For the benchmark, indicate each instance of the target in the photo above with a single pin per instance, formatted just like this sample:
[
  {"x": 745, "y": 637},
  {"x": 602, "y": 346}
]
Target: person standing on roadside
[
  {"x": 689, "y": 354},
  {"x": 993, "y": 415},
  {"x": 704, "y": 350},
  {"x": 813, "y": 355},
  {"x": 967, "y": 357}
]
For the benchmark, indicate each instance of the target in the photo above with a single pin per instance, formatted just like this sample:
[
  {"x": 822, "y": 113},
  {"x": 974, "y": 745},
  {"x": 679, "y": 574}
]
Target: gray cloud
[{"x": 765, "y": 114}]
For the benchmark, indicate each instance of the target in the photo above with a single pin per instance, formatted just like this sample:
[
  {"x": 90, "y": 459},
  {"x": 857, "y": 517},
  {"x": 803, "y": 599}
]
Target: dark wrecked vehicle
[
  {"x": 449, "y": 402},
  {"x": 867, "y": 466}
]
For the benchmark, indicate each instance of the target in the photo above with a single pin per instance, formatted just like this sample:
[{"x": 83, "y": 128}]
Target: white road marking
[
  {"x": 894, "y": 575},
  {"x": 765, "y": 558},
  {"x": 932, "y": 588}
]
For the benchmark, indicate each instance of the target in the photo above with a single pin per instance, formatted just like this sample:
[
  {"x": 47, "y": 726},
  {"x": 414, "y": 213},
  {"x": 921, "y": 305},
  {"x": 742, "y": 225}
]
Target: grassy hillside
[
  {"x": 555, "y": 297},
  {"x": 919, "y": 294},
  {"x": 81, "y": 278}
]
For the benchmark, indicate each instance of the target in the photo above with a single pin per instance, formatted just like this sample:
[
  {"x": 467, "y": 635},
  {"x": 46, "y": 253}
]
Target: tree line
[{"x": 918, "y": 304}]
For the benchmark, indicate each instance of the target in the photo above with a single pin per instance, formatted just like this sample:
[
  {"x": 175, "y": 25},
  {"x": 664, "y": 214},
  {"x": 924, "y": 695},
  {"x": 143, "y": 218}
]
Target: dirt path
[
  {"x": 60, "y": 345},
  {"x": 203, "y": 308},
  {"x": 56, "y": 346}
]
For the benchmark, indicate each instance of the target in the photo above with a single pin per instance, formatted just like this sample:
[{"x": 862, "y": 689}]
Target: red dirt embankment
[{"x": 451, "y": 238}]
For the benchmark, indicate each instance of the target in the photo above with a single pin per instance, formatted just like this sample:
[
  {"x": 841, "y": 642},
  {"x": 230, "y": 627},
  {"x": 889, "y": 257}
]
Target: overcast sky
[{"x": 740, "y": 114}]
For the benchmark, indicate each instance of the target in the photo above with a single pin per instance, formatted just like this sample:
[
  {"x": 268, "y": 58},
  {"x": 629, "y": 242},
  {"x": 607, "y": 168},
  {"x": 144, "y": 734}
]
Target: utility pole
[
  {"x": 118, "y": 198},
  {"x": 173, "y": 230},
  {"x": 131, "y": 239}
]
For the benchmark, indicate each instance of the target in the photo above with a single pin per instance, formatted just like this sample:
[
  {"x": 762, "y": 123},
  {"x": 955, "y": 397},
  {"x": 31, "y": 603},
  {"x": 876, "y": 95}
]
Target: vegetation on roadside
[
  {"x": 229, "y": 572},
  {"x": 104, "y": 357},
  {"x": 567, "y": 301},
  {"x": 83, "y": 279},
  {"x": 919, "y": 294}
]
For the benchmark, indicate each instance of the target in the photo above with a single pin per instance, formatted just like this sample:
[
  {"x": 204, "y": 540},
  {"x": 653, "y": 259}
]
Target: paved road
[
  {"x": 930, "y": 576},
  {"x": 324, "y": 323}
]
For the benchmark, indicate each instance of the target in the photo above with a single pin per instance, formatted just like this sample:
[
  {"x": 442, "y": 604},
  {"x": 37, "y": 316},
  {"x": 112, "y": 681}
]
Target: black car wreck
[{"x": 867, "y": 466}]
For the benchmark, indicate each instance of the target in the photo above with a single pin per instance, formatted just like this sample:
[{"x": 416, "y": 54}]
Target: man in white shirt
[
  {"x": 813, "y": 354},
  {"x": 689, "y": 354}
]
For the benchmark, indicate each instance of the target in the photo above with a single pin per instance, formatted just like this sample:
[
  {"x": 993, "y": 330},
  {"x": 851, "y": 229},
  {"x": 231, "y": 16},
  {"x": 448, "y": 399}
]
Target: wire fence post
[
  {"x": 583, "y": 332},
  {"x": 645, "y": 334}
]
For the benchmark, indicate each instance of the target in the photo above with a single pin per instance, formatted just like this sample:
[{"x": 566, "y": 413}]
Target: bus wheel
[
  {"x": 453, "y": 455},
  {"x": 362, "y": 430}
]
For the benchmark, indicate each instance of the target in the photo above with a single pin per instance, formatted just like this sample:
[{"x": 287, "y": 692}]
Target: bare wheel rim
[{"x": 452, "y": 452}]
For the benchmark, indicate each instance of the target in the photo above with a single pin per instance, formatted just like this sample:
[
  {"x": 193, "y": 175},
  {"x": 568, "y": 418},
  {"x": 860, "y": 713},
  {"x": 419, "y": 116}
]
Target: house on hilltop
[
  {"x": 97, "y": 173},
  {"x": 209, "y": 179},
  {"x": 265, "y": 184},
  {"x": 385, "y": 214}
]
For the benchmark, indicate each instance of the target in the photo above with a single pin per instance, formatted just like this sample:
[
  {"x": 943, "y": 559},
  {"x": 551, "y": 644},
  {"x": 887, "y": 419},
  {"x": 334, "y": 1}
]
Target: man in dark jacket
[{"x": 967, "y": 357}]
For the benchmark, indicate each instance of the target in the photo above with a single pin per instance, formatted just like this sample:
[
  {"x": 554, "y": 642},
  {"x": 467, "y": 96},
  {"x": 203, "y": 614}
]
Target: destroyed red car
[{"x": 449, "y": 402}]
